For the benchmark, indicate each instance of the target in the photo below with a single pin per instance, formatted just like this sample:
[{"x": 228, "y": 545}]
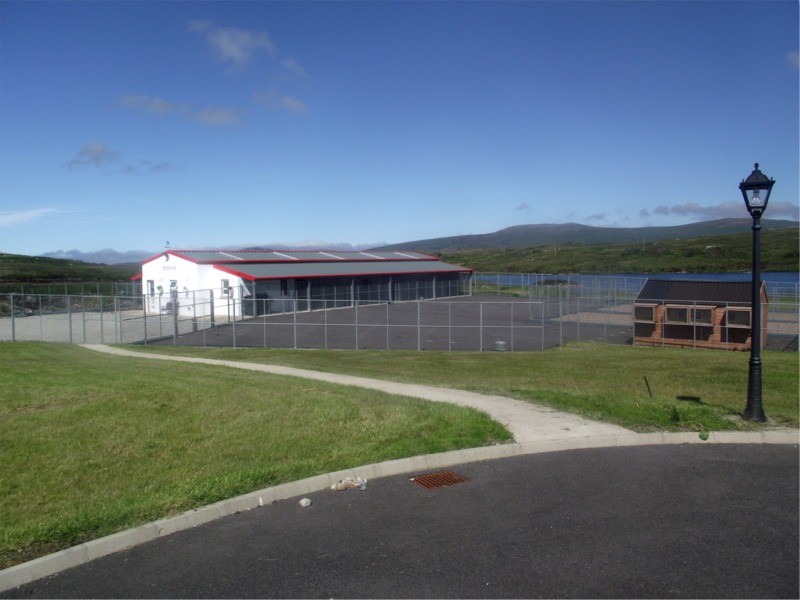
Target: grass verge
[
  {"x": 644, "y": 389},
  {"x": 93, "y": 444}
]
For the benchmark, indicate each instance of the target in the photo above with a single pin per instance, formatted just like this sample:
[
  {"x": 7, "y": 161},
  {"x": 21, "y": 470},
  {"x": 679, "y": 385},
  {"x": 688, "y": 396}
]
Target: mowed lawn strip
[
  {"x": 640, "y": 388},
  {"x": 93, "y": 444}
]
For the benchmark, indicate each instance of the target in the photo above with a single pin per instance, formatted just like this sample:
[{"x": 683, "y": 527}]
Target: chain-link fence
[{"x": 506, "y": 312}]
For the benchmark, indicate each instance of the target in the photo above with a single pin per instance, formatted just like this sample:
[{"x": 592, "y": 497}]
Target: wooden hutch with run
[{"x": 696, "y": 314}]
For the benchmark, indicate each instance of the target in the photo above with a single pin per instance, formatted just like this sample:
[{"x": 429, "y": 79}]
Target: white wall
[{"x": 195, "y": 285}]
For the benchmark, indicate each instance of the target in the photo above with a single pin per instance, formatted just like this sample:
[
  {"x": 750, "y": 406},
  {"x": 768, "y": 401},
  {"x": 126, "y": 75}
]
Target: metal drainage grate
[{"x": 437, "y": 480}]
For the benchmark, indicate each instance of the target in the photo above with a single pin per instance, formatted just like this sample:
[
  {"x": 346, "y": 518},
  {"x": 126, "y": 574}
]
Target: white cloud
[
  {"x": 217, "y": 116},
  {"x": 159, "y": 107},
  {"x": 233, "y": 45},
  {"x": 93, "y": 154},
  {"x": 150, "y": 105},
  {"x": 292, "y": 67},
  {"x": 9, "y": 219},
  {"x": 274, "y": 101}
]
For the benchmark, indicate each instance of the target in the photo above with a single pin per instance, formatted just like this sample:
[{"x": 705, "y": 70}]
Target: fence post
[
  {"x": 294, "y": 323},
  {"x": 560, "y": 318},
  {"x": 419, "y": 325},
  {"x": 194, "y": 311},
  {"x": 211, "y": 305},
  {"x": 117, "y": 321},
  {"x": 511, "y": 304},
  {"x": 233, "y": 306},
  {"x": 480, "y": 328},
  {"x": 83, "y": 315},
  {"x": 449, "y": 327},
  {"x": 13, "y": 324},
  {"x": 144, "y": 319},
  {"x": 100, "y": 299},
  {"x": 69, "y": 317},
  {"x": 175, "y": 320}
]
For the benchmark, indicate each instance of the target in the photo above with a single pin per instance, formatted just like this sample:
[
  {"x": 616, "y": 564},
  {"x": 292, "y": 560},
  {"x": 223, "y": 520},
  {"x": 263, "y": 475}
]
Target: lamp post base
[{"x": 754, "y": 411}]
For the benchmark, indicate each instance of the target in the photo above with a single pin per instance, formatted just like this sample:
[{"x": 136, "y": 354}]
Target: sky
[{"x": 128, "y": 125}]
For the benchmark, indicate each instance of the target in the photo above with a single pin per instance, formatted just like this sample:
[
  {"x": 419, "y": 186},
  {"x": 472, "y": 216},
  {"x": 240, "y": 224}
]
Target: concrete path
[{"x": 527, "y": 422}]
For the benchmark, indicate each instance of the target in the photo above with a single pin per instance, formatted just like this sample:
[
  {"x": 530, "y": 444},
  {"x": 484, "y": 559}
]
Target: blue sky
[{"x": 127, "y": 124}]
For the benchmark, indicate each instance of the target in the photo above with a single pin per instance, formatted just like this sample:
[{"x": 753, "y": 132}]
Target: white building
[{"x": 253, "y": 282}]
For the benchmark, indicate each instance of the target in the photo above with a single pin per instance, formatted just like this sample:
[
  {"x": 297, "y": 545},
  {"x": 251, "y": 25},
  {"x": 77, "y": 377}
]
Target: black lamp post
[{"x": 755, "y": 190}]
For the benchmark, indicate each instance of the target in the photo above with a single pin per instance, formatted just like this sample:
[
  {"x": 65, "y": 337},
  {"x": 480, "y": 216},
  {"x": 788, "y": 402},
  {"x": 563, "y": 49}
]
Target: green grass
[
  {"x": 94, "y": 444},
  {"x": 692, "y": 389}
]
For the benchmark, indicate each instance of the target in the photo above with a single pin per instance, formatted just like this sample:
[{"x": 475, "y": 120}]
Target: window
[
  {"x": 644, "y": 313},
  {"x": 738, "y": 317},
  {"x": 226, "y": 287},
  {"x": 678, "y": 314},
  {"x": 703, "y": 315},
  {"x": 151, "y": 287},
  {"x": 173, "y": 285}
]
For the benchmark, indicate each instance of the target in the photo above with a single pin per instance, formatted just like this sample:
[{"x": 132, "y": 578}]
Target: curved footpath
[{"x": 536, "y": 429}]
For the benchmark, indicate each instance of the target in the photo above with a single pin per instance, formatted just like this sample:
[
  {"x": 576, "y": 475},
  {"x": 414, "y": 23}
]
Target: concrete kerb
[{"x": 83, "y": 553}]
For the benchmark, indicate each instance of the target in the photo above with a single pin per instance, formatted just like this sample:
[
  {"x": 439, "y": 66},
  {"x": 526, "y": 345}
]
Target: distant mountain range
[
  {"x": 525, "y": 236},
  {"x": 518, "y": 236}
]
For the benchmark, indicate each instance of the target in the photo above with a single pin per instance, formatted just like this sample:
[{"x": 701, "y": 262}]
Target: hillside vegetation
[
  {"x": 725, "y": 253},
  {"x": 18, "y": 268}
]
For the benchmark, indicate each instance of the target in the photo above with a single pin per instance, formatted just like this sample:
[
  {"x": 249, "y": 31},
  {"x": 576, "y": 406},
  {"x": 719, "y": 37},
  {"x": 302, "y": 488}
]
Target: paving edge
[{"x": 77, "y": 555}]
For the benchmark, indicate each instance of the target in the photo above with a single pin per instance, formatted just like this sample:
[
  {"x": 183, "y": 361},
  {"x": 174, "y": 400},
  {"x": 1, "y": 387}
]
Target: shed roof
[
  {"x": 306, "y": 264},
  {"x": 713, "y": 292},
  {"x": 315, "y": 270},
  {"x": 291, "y": 256}
]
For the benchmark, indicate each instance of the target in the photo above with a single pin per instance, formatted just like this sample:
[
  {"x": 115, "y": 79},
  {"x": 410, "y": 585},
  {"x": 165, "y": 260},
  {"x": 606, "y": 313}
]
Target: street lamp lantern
[{"x": 755, "y": 191}]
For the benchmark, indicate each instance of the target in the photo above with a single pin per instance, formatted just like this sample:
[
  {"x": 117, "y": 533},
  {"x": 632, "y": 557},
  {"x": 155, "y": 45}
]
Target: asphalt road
[{"x": 647, "y": 521}]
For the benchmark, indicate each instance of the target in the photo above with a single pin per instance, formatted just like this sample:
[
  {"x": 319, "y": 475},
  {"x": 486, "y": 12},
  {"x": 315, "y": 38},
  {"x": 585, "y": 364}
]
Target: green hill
[
  {"x": 18, "y": 268},
  {"x": 714, "y": 254}
]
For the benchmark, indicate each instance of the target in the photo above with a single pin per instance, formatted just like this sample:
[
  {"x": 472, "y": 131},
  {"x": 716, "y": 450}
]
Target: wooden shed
[{"x": 696, "y": 314}]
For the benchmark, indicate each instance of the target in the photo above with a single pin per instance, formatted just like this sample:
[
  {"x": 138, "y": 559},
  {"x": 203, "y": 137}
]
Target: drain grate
[{"x": 437, "y": 480}]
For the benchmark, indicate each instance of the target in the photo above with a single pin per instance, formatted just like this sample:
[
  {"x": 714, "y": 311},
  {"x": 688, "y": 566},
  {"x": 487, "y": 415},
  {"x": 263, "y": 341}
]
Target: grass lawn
[
  {"x": 691, "y": 389},
  {"x": 94, "y": 444}
]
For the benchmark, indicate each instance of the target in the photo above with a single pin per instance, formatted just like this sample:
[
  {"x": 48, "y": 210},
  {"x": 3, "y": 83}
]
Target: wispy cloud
[
  {"x": 293, "y": 68},
  {"x": 271, "y": 100},
  {"x": 596, "y": 217},
  {"x": 146, "y": 167},
  {"x": 232, "y": 45},
  {"x": 93, "y": 154},
  {"x": 149, "y": 105},
  {"x": 725, "y": 210},
  {"x": 98, "y": 154},
  {"x": 9, "y": 219},
  {"x": 794, "y": 59},
  {"x": 523, "y": 206}
]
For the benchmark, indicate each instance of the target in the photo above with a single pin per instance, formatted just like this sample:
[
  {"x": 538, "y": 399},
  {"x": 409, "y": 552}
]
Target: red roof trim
[
  {"x": 174, "y": 253},
  {"x": 239, "y": 274},
  {"x": 341, "y": 275}
]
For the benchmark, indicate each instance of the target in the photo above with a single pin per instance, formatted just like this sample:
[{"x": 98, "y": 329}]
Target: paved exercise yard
[{"x": 463, "y": 323}]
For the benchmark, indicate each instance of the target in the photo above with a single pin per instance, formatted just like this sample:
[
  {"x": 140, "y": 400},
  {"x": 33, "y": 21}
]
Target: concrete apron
[{"x": 536, "y": 430}]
